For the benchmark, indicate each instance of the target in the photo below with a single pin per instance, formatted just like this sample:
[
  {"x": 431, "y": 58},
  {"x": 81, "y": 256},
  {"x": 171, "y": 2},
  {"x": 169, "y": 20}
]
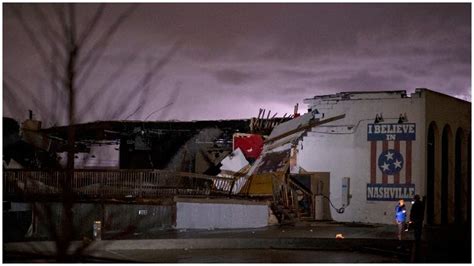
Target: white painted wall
[
  {"x": 341, "y": 148},
  {"x": 101, "y": 156},
  {"x": 208, "y": 215}
]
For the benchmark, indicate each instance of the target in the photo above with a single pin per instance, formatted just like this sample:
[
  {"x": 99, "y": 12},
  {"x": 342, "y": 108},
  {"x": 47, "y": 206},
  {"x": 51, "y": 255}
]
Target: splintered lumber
[{"x": 306, "y": 127}]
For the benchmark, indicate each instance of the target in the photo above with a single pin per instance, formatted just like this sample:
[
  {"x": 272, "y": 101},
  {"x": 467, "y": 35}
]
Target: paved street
[
  {"x": 248, "y": 256},
  {"x": 312, "y": 242},
  {"x": 304, "y": 230}
]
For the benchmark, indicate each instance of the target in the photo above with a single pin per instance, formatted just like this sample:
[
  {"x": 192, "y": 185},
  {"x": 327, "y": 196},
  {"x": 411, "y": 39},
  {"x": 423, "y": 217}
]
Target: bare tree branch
[
  {"x": 172, "y": 99},
  {"x": 156, "y": 111},
  {"x": 145, "y": 90},
  {"x": 30, "y": 33},
  {"x": 147, "y": 77},
  {"x": 106, "y": 85},
  {"x": 72, "y": 25},
  {"x": 47, "y": 27},
  {"x": 89, "y": 61},
  {"x": 68, "y": 72},
  {"x": 140, "y": 106},
  {"x": 33, "y": 38},
  {"x": 56, "y": 93},
  {"x": 91, "y": 26},
  {"x": 42, "y": 109},
  {"x": 58, "y": 55},
  {"x": 11, "y": 98},
  {"x": 60, "y": 12}
]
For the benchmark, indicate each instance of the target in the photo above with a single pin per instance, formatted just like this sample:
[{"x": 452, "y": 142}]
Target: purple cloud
[{"x": 237, "y": 58}]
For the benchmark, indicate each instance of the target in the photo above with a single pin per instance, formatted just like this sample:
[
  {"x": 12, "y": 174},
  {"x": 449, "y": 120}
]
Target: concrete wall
[
  {"x": 127, "y": 219},
  {"x": 443, "y": 111},
  {"x": 209, "y": 214},
  {"x": 342, "y": 149},
  {"x": 116, "y": 218},
  {"x": 138, "y": 218}
]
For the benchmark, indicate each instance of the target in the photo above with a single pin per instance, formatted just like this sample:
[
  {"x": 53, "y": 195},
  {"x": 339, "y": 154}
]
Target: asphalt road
[
  {"x": 277, "y": 244},
  {"x": 224, "y": 256}
]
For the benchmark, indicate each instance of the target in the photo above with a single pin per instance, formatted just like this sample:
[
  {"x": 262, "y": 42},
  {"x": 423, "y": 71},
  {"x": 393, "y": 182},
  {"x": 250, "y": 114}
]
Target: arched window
[
  {"x": 458, "y": 166},
  {"x": 430, "y": 178},
  {"x": 445, "y": 141},
  {"x": 469, "y": 181}
]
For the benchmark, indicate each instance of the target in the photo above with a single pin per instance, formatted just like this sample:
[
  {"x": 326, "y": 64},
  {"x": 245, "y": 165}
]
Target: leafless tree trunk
[{"x": 70, "y": 65}]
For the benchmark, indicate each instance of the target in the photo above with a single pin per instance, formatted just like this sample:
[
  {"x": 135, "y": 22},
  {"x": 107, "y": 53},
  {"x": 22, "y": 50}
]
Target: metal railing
[
  {"x": 112, "y": 183},
  {"x": 293, "y": 197}
]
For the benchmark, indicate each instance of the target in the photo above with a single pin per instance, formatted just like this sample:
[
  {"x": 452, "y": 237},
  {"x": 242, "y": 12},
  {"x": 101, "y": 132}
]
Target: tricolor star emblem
[{"x": 390, "y": 162}]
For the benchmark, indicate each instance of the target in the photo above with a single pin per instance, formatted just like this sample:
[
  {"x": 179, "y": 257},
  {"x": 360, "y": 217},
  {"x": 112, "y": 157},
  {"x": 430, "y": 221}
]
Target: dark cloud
[
  {"x": 291, "y": 73},
  {"x": 235, "y": 77},
  {"x": 255, "y": 54},
  {"x": 364, "y": 80}
]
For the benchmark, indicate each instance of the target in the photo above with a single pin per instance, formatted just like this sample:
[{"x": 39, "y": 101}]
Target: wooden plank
[
  {"x": 306, "y": 127},
  {"x": 268, "y": 119}
]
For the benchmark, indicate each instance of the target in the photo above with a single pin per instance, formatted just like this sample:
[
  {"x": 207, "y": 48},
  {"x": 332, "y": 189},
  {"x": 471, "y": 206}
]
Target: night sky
[{"x": 229, "y": 60}]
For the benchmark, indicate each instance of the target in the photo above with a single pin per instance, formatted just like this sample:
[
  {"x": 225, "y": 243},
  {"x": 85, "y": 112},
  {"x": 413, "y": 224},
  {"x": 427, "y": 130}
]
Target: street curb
[{"x": 48, "y": 247}]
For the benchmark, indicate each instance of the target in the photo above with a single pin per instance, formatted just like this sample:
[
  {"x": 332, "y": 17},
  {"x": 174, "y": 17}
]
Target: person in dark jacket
[
  {"x": 417, "y": 214},
  {"x": 400, "y": 217}
]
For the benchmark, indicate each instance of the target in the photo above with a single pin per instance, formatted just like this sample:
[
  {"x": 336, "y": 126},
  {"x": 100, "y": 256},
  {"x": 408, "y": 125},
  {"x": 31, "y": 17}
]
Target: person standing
[
  {"x": 400, "y": 217},
  {"x": 417, "y": 214}
]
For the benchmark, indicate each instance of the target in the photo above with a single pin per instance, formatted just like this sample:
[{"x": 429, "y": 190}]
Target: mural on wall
[{"x": 390, "y": 161}]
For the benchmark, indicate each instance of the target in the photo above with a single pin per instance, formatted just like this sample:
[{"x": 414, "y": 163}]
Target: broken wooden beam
[{"x": 308, "y": 126}]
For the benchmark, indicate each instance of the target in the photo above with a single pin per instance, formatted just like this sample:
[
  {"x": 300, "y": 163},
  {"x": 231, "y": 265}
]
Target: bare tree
[
  {"x": 70, "y": 56},
  {"x": 71, "y": 48}
]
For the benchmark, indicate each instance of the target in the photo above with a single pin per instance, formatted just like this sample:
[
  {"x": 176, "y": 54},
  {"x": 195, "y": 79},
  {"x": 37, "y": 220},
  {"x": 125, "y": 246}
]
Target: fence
[{"x": 112, "y": 183}]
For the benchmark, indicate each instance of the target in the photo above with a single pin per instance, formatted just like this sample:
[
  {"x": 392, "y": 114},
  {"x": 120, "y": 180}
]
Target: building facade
[{"x": 391, "y": 146}]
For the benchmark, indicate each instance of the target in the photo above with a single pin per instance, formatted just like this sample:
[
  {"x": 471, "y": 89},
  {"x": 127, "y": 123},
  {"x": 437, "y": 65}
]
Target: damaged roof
[
  {"x": 273, "y": 162},
  {"x": 113, "y": 130},
  {"x": 276, "y": 150},
  {"x": 352, "y": 95},
  {"x": 292, "y": 124}
]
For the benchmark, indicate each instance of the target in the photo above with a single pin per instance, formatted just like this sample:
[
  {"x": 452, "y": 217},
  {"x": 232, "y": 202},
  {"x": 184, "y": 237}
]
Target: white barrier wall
[{"x": 222, "y": 214}]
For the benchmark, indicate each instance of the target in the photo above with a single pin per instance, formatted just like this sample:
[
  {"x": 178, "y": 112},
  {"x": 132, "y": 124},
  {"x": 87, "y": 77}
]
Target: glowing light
[{"x": 339, "y": 236}]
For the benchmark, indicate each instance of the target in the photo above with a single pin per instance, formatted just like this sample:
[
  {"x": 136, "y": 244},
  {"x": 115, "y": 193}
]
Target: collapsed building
[
  {"x": 348, "y": 159},
  {"x": 160, "y": 164},
  {"x": 370, "y": 149}
]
